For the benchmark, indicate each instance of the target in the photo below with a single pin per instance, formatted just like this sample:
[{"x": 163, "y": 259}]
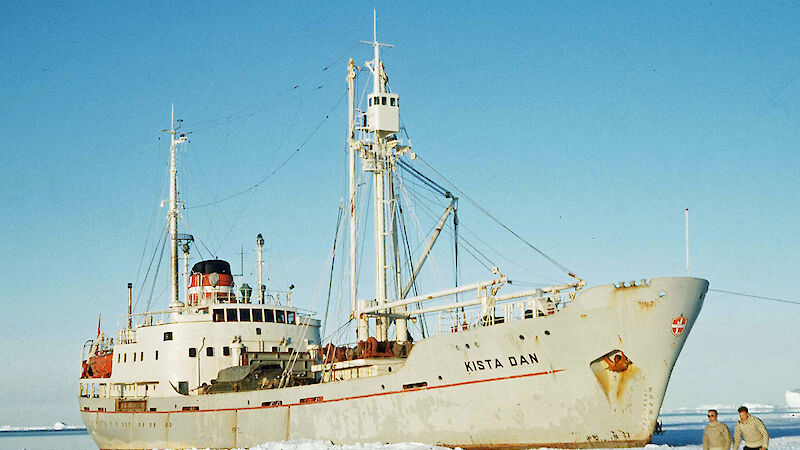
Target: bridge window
[
  {"x": 290, "y": 317},
  {"x": 134, "y": 356},
  {"x": 192, "y": 352},
  {"x": 209, "y": 351},
  {"x": 168, "y": 335},
  {"x": 124, "y": 357},
  {"x": 183, "y": 387},
  {"x": 392, "y": 100},
  {"x": 226, "y": 351},
  {"x": 258, "y": 331},
  {"x": 280, "y": 316},
  {"x": 269, "y": 315},
  {"x": 258, "y": 315},
  {"x": 156, "y": 355},
  {"x": 244, "y": 315},
  {"x": 141, "y": 356},
  {"x": 232, "y": 315},
  {"x": 219, "y": 315}
]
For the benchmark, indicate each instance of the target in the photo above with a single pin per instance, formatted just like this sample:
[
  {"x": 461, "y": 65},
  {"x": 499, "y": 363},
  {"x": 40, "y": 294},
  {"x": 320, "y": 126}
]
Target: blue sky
[{"x": 586, "y": 127}]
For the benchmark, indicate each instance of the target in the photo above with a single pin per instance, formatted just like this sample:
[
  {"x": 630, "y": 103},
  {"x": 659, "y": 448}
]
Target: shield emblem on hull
[{"x": 678, "y": 325}]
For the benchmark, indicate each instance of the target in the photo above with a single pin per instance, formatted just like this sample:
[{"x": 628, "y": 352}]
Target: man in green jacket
[
  {"x": 752, "y": 428},
  {"x": 717, "y": 436}
]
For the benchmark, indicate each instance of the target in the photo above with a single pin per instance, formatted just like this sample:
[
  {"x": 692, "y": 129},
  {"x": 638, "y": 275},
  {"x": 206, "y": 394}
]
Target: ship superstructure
[{"x": 558, "y": 366}]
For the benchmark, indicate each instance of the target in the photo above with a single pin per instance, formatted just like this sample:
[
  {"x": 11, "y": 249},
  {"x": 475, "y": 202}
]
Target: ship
[{"x": 564, "y": 365}]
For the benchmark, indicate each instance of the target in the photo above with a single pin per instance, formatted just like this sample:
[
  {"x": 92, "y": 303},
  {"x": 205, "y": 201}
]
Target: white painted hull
[{"x": 555, "y": 399}]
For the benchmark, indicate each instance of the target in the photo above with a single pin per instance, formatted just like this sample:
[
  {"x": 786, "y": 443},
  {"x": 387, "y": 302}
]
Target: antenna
[
  {"x": 375, "y": 64},
  {"x": 686, "y": 213}
]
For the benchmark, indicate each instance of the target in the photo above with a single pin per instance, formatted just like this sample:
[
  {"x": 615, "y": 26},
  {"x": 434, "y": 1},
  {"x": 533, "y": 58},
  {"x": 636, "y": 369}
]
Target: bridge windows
[
  {"x": 232, "y": 315},
  {"x": 219, "y": 315},
  {"x": 226, "y": 351},
  {"x": 209, "y": 351},
  {"x": 222, "y": 315},
  {"x": 167, "y": 335},
  {"x": 192, "y": 352}
]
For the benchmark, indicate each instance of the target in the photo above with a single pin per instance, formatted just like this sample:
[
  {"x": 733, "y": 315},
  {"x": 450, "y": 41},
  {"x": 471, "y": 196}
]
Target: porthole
[
  {"x": 521, "y": 337},
  {"x": 466, "y": 345},
  {"x": 547, "y": 332}
]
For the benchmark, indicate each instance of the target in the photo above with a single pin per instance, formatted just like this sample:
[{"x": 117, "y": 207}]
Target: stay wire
[
  {"x": 248, "y": 112},
  {"x": 333, "y": 265},
  {"x": 162, "y": 235},
  {"x": 741, "y": 294},
  {"x": 497, "y": 221},
  {"x": 155, "y": 276},
  {"x": 286, "y": 161}
]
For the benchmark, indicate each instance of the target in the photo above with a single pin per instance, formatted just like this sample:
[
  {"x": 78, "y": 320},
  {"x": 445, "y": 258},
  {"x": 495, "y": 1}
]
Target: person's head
[
  {"x": 743, "y": 412},
  {"x": 712, "y": 415}
]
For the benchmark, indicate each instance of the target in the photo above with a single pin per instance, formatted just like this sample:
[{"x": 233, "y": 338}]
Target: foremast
[
  {"x": 373, "y": 136},
  {"x": 377, "y": 154}
]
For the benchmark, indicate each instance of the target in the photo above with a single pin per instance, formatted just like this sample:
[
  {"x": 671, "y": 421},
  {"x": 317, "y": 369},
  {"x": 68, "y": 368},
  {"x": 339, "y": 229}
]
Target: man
[
  {"x": 717, "y": 435},
  {"x": 753, "y": 429}
]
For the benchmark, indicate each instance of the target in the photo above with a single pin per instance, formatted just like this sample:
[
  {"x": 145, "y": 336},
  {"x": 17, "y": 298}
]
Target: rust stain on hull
[{"x": 589, "y": 444}]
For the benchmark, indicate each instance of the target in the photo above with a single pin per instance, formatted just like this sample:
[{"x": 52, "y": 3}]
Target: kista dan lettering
[{"x": 496, "y": 363}]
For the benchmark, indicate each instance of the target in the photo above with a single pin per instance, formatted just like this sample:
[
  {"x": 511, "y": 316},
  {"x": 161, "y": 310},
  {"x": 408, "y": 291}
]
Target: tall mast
[
  {"x": 172, "y": 215},
  {"x": 383, "y": 121},
  {"x": 351, "y": 167},
  {"x": 381, "y": 323}
]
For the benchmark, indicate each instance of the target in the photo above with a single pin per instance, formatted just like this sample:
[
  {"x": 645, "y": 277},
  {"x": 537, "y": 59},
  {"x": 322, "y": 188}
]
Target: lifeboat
[
  {"x": 99, "y": 358},
  {"x": 98, "y": 366}
]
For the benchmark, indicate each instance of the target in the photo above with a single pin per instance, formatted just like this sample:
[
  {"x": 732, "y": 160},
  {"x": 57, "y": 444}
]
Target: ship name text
[{"x": 497, "y": 363}]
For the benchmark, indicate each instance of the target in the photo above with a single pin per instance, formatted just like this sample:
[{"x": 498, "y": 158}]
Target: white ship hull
[{"x": 520, "y": 384}]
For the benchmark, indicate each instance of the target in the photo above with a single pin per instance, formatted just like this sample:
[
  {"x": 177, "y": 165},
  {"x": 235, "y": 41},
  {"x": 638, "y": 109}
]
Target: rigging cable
[
  {"x": 333, "y": 263},
  {"x": 147, "y": 273},
  {"x": 553, "y": 261},
  {"x": 250, "y": 111},
  {"x": 772, "y": 299},
  {"x": 155, "y": 275},
  {"x": 280, "y": 166}
]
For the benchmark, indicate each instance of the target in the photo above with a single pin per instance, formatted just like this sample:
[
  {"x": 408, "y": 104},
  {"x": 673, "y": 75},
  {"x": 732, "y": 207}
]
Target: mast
[
  {"x": 379, "y": 167},
  {"x": 378, "y": 156},
  {"x": 351, "y": 167},
  {"x": 172, "y": 215}
]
